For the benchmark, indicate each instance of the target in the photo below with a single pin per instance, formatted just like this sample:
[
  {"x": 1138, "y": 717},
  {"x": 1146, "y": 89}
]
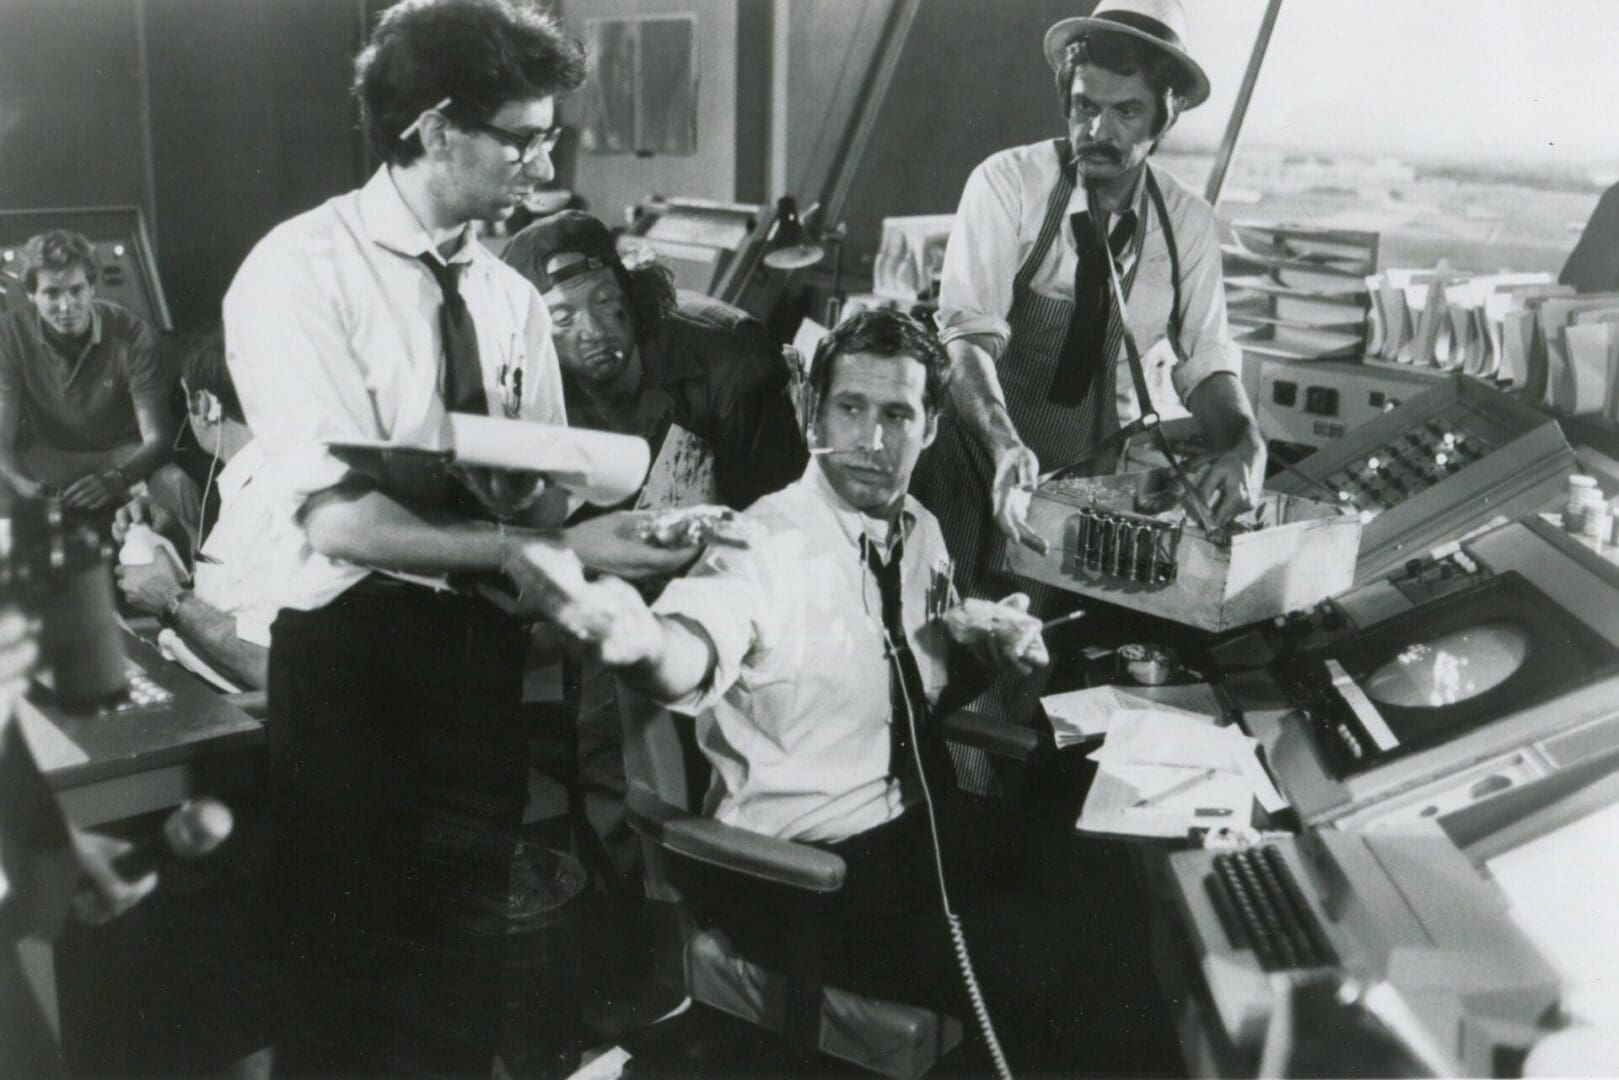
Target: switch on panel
[{"x": 1321, "y": 401}]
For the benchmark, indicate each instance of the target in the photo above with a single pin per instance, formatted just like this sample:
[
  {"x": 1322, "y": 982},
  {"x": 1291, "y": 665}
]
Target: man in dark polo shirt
[{"x": 81, "y": 384}]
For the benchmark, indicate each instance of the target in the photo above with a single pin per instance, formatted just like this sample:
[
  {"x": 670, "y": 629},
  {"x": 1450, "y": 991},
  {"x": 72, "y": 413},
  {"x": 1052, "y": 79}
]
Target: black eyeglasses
[{"x": 528, "y": 147}]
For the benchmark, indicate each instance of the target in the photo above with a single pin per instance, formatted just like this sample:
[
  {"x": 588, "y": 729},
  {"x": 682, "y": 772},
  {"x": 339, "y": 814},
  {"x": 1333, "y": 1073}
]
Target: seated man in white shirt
[
  {"x": 813, "y": 661},
  {"x": 224, "y": 612}
]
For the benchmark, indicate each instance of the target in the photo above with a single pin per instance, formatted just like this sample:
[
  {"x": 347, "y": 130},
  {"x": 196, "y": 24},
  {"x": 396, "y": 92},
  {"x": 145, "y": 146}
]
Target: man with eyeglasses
[{"x": 397, "y": 763}]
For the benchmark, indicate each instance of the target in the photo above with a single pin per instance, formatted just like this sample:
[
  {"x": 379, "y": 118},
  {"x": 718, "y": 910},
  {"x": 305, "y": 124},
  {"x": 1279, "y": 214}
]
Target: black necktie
[
  {"x": 1080, "y": 363},
  {"x": 463, "y": 373},
  {"x": 900, "y": 764}
]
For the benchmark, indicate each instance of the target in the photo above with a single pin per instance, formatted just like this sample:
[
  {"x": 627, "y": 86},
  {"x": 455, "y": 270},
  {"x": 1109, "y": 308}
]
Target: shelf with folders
[{"x": 1298, "y": 293}]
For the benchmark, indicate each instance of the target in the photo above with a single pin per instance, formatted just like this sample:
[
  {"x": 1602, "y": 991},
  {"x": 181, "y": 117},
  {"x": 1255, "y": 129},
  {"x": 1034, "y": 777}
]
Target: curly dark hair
[
  {"x": 482, "y": 54},
  {"x": 1124, "y": 54},
  {"x": 57, "y": 250},
  {"x": 885, "y": 332},
  {"x": 649, "y": 291}
]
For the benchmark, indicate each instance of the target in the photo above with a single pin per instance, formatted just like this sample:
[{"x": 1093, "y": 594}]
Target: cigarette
[{"x": 1060, "y": 619}]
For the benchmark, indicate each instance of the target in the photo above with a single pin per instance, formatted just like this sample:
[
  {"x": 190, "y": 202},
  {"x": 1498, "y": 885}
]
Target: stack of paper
[
  {"x": 1298, "y": 293},
  {"x": 1163, "y": 775},
  {"x": 1480, "y": 324},
  {"x": 1081, "y": 715}
]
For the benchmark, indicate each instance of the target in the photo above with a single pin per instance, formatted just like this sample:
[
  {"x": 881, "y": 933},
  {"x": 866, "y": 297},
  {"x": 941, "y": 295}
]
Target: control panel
[
  {"x": 1434, "y": 467},
  {"x": 1311, "y": 403}
]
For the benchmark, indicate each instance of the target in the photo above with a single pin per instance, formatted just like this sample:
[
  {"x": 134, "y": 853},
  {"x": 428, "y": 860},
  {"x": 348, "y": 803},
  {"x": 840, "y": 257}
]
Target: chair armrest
[
  {"x": 705, "y": 840},
  {"x": 255, "y": 703},
  {"x": 1000, "y": 737}
]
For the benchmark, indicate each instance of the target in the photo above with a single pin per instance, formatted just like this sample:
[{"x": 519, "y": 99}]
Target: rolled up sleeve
[
  {"x": 1206, "y": 336},
  {"x": 727, "y": 594},
  {"x": 981, "y": 259},
  {"x": 299, "y": 383}
]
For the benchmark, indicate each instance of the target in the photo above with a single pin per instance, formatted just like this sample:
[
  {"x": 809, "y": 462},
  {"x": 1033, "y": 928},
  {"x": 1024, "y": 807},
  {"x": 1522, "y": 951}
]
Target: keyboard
[{"x": 1256, "y": 889}]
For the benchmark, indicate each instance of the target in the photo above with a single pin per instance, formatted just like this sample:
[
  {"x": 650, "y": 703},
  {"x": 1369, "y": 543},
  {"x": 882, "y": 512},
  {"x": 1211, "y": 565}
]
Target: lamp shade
[{"x": 790, "y": 246}]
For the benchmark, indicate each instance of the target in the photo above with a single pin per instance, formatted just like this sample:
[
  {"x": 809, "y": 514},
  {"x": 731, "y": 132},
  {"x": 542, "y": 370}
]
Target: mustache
[{"x": 1099, "y": 151}]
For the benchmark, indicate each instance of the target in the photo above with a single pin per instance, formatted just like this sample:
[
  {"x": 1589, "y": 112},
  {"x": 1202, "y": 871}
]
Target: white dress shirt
[
  {"x": 796, "y": 717},
  {"x": 1002, "y": 209},
  {"x": 234, "y": 571},
  {"x": 332, "y": 333}
]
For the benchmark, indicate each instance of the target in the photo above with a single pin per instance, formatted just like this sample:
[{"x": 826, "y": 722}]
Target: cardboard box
[{"x": 1122, "y": 539}]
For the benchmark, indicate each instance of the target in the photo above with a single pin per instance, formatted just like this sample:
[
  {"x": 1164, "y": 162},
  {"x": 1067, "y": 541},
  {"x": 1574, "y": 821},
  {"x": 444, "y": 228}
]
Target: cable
[
  {"x": 202, "y": 508},
  {"x": 958, "y": 937}
]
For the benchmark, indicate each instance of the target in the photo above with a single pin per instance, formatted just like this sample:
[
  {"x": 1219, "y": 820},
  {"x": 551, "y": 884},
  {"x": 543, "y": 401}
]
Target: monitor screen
[
  {"x": 1452, "y": 667},
  {"x": 1429, "y": 675}
]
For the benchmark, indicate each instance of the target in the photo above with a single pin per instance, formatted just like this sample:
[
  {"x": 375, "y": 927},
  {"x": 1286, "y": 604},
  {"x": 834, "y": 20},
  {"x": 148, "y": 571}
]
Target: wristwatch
[{"x": 170, "y": 615}]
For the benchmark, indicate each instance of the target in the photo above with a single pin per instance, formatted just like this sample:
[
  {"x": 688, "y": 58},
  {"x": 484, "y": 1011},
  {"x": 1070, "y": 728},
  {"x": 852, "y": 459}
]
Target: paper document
[
  {"x": 1161, "y": 774},
  {"x": 1087, "y": 714},
  {"x": 1560, "y": 890},
  {"x": 174, "y": 648},
  {"x": 598, "y": 466},
  {"x": 682, "y": 474}
]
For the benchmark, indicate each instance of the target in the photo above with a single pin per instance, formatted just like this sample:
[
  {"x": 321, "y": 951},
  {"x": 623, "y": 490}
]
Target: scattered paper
[
  {"x": 1560, "y": 891},
  {"x": 174, "y": 648},
  {"x": 1087, "y": 714},
  {"x": 1164, "y": 773}
]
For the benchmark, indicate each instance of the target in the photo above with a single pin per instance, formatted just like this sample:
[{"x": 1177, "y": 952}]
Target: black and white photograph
[{"x": 673, "y": 539}]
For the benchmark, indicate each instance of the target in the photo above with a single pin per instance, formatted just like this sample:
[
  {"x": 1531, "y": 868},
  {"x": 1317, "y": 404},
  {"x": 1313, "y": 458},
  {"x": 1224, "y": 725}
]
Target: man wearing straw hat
[{"x": 1028, "y": 313}]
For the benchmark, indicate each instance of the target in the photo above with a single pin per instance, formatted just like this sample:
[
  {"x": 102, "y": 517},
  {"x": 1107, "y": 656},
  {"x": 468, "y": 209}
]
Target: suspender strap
[
  {"x": 1175, "y": 323},
  {"x": 1056, "y": 214},
  {"x": 1149, "y": 416}
]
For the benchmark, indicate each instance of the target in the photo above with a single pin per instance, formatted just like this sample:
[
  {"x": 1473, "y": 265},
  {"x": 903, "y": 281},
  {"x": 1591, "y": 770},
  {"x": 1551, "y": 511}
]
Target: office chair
[{"x": 668, "y": 778}]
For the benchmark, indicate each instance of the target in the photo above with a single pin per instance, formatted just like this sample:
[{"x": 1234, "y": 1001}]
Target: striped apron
[{"x": 953, "y": 478}]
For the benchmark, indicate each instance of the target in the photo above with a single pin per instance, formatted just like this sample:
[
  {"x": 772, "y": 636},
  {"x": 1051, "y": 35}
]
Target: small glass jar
[{"x": 1582, "y": 494}]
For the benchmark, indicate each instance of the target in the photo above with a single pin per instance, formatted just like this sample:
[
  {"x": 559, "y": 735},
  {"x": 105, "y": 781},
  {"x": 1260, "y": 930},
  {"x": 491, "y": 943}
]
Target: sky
[{"x": 1523, "y": 80}]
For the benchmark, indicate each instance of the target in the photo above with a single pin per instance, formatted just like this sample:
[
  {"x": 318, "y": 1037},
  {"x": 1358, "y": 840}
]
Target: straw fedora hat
[{"x": 1158, "y": 22}]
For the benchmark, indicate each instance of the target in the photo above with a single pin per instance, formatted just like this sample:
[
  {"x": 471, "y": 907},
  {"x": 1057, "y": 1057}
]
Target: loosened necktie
[
  {"x": 463, "y": 371},
  {"x": 1082, "y": 363},
  {"x": 909, "y": 684}
]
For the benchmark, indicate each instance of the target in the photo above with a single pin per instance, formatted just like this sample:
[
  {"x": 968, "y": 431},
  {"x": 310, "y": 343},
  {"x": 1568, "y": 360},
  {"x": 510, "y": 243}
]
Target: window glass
[{"x": 1481, "y": 131}]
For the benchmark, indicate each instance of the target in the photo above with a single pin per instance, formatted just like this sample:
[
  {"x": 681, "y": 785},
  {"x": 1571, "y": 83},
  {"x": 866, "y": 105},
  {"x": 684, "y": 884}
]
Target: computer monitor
[{"x": 1439, "y": 670}]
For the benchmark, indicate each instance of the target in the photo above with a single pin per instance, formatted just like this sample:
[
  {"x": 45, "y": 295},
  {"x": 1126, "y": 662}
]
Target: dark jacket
[
  {"x": 713, "y": 369},
  {"x": 1593, "y": 265}
]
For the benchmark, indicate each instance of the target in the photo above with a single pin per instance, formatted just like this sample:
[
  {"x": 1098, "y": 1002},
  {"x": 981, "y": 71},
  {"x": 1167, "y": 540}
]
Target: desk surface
[{"x": 193, "y": 722}]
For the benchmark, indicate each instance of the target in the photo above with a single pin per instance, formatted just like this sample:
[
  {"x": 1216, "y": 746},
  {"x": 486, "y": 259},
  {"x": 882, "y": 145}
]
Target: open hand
[
  {"x": 1017, "y": 472},
  {"x": 95, "y": 491},
  {"x": 607, "y": 616},
  {"x": 1233, "y": 480},
  {"x": 620, "y": 543}
]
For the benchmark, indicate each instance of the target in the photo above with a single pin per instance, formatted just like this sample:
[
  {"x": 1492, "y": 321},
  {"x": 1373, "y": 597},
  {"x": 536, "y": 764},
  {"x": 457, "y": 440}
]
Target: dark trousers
[
  {"x": 397, "y": 773},
  {"x": 884, "y": 934},
  {"x": 1057, "y": 931}
]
